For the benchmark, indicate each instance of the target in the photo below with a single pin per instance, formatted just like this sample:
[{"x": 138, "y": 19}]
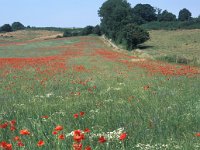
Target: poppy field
[{"x": 79, "y": 94}]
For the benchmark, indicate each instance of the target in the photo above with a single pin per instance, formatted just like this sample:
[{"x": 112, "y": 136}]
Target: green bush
[
  {"x": 17, "y": 26},
  {"x": 6, "y": 28},
  {"x": 133, "y": 35}
]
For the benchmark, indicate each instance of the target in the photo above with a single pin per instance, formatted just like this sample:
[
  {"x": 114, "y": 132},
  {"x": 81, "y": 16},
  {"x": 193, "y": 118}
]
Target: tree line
[
  {"x": 124, "y": 24},
  {"x": 14, "y": 27}
]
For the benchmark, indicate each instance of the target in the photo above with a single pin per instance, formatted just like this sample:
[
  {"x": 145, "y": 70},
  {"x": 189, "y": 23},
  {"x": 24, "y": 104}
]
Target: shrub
[
  {"x": 67, "y": 33},
  {"x": 17, "y": 26},
  {"x": 6, "y": 28},
  {"x": 133, "y": 35}
]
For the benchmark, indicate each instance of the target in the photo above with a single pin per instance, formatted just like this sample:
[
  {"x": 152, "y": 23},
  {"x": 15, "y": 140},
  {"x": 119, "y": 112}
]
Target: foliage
[
  {"x": 133, "y": 35},
  {"x": 145, "y": 12},
  {"x": 97, "y": 30},
  {"x": 6, "y": 28},
  {"x": 184, "y": 15},
  {"x": 17, "y": 26},
  {"x": 67, "y": 33},
  {"x": 172, "y": 25},
  {"x": 166, "y": 16},
  {"x": 87, "y": 30},
  {"x": 115, "y": 14}
]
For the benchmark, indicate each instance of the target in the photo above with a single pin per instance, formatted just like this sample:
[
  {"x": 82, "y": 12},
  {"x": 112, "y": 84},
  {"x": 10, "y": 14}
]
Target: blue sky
[{"x": 74, "y": 13}]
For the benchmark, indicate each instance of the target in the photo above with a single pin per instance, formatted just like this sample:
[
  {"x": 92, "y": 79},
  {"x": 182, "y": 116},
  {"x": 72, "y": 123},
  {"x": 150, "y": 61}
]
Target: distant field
[
  {"x": 24, "y": 35},
  {"x": 169, "y": 45}
]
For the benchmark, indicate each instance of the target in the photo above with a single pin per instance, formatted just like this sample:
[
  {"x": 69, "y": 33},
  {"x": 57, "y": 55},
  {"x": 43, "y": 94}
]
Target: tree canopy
[
  {"x": 117, "y": 20},
  {"x": 6, "y": 28},
  {"x": 145, "y": 11},
  {"x": 114, "y": 15},
  {"x": 17, "y": 26},
  {"x": 184, "y": 15},
  {"x": 166, "y": 16}
]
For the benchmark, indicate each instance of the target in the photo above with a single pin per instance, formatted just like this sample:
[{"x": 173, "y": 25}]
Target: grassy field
[
  {"x": 174, "y": 46},
  {"x": 87, "y": 95}
]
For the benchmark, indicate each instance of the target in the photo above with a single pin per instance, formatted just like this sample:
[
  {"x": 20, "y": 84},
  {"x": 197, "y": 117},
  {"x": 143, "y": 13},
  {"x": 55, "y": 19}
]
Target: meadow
[
  {"x": 78, "y": 93},
  {"x": 176, "y": 46}
]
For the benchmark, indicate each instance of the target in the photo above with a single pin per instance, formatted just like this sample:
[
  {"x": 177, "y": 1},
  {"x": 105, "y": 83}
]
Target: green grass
[
  {"x": 177, "y": 44},
  {"x": 166, "y": 116},
  {"x": 34, "y": 49}
]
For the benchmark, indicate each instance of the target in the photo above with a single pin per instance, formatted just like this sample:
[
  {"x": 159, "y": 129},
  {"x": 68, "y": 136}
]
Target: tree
[
  {"x": 97, "y": 30},
  {"x": 114, "y": 14},
  {"x": 6, "y": 28},
  {"x": 87, "y": 30},
  {"x": 166, "y": 16},
  {"x": 184, "y": 15},
  {"x": 17, "y": 26},
  {"x": 133, "y": 35},
  {"x": 145, "y": 11},
  {"x": 67, "y": 33}
]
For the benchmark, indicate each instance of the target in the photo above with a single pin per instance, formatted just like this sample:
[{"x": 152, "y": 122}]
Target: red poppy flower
[
  {"x": 20, "y": 144},
  {"x": 45, "y": 117},
  {"x": 78, "y": 136},
  {"x": 3, "y": 126},
  {"x": 198, "y": 134},
  {"x": 6, "y": 146},
  {"x": 40, "y": 143},
  {"x": 12, "y": 128},
  {"x": 58, "y": 128},
  {"x": 88, "y": 148},
  {"x": 122, "y": 136},
  {"x": 87, "y": 130},
  {"x": 3, "y": 144},
  {"x": 61, "y": 137},
  {"x": 75, "y": 115},
  {"x": 82, "y": 113},
  {"x": 102, "y": 139},
  {"x": 16, "y": 138},
  {"x": 24, "y": 132},
  {"x": 54, "y": 132},
  {"x": 77, "y": 146},
  {"x": 13, "y": 122}
]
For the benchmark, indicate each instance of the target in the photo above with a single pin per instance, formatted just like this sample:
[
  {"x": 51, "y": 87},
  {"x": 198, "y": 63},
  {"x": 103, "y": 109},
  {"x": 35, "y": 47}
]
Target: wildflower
[
  {"x": 78, "y": 136},
  {"x": 16, "y": 138},
  {"x": 102, "y": 139},
  {"x": 44, "y": 117},
  {"x": 87, "y": 130},
  {"x": 54, "y": 132},
  {"x": 12, "y": 128},
  {"x": 61, "y": 137},
  {"x": 20, "y": 144},
  {"x": 75, "y": 115},
  {"x": 58, "y": 128},
  {"x": 77, "y": 146},
  {"x": 5, "y": 145},
  {"x": 122, "y": 136},
  {"x": 88, "y": 148},
  {"x": 40, "y": 143},
  {"x": 82, "y": 113},
  {"x": 3, "y": 126},
  {"x": 24, "y": 132},
  {"x": 198, "y": 134},
  {"x": 13, "y": 122}
]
